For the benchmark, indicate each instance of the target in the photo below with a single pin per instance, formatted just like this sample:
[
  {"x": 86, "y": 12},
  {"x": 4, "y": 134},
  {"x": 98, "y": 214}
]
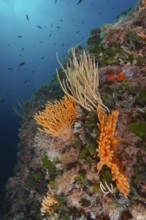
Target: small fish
[
  {"x": 55, "y": 2},
  {"x": 26, "y": 81},
  {"x": 9, "y": 68},
  {"x": 22, "y": 63},
  {"x": 27, "y": 17},
  {"x": 42, "y": 58},
  {"x": 2, "y": 100},
  {"x": 49, "y": 35},
  {"x": 79, "y": 2},
  {"x": 58, "y": 27},
  {"x": 19, "y": 36},
  {"x": 39, "y": 26}
]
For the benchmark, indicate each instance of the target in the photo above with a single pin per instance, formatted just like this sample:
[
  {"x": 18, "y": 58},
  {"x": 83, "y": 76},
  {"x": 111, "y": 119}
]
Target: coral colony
[{"x": 59, "y": 117}]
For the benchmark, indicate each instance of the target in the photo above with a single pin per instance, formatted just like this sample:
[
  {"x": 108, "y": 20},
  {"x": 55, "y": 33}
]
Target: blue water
[{"x": 31, "y": 32}]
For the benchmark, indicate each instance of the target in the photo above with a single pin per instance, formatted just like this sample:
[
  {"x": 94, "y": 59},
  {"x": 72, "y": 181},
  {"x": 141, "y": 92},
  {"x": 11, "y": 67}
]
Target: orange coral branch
[
  {"x": 142, "y": 36},
  {"x": 107, "y": 145},
  {"x": 57, "y": 118},
  {"x": 144, "y": 3}
]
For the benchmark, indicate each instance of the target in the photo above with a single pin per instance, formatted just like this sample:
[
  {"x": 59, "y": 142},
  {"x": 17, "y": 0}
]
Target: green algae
[
  {"x": 106, "y": 175},
  {"x": 94, "y": 37},
  {"x": 108, "y": 100},
  {"x": 124, "y": 85},
  {"x": 106, "y": 56},
  {"x": 133, "y": 40},
  {"x": 98, "y": 190},
  {"x": 66, "y": 217},
  {"x": 138, "y": 128},
  {"x": 91, "y": 149},
  {"x": 84, "y": 202},
  {"x": 91, "y": 120},
  {"x": 50, "y": 166},
  {"x": 38, "y": 176},
  {"x": 52, "y": 184},
  {"x": 140, "y": 60},
  {"x": 87, "y": 153},
  {"x": 81, "y": 180},
  {"x": 141, "y": 98},
  {"x": 77, "y": 143},
  {"x": 31, "y": 184}
]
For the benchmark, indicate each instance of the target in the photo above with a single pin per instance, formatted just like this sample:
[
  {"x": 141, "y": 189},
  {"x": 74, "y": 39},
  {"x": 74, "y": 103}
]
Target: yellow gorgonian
[
  {"x": 49, "y": 204},
  {"x": 81, "y": 81},
  {"x": 57, "y": 118},
  {"x": 107, "y": 145}
]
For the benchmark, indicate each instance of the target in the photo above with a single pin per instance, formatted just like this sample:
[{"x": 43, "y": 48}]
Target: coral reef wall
[{"x": 92, "y": 165}]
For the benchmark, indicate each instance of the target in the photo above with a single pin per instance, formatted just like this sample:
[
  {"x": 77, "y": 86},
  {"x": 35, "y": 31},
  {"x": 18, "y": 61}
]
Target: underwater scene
[{"x": 73, "y": 110}]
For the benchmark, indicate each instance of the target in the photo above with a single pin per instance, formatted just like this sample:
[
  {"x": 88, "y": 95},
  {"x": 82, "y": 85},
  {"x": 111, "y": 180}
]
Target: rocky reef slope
[{"x": 67, "y": 167}]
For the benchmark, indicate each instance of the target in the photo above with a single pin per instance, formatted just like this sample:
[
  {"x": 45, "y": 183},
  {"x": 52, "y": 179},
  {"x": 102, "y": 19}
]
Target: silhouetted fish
[
  {"x": 42, "y": 58},
  {"x": 55, "y": 2},
  {"x": 2, "y": 100},
  {"x": 27, "y": 17},
  {"x": 22, "y": 63},
  {"x": 26, "y": 81},
  {"x": 19, "y": 36},
  {"x": 9, "y": 68},
  {"x": 79, "y": 2},
  {"x": 39, "y": 26}
]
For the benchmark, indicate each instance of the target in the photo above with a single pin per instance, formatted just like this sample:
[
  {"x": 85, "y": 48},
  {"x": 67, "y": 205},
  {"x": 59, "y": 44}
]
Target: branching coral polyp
[
  {"x": 107, "y": 146},
  {"x": 57, "y": 118}
]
